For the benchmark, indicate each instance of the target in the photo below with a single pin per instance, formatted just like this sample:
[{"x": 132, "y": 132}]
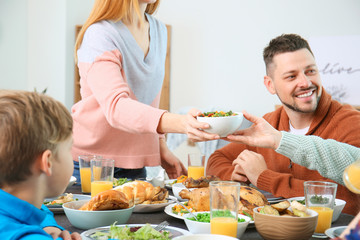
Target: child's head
[{"x": 30, "y": 124}]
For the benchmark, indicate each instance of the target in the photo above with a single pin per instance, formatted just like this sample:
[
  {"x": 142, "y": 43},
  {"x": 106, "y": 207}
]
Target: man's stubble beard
[{"x": 295, "y": 108}]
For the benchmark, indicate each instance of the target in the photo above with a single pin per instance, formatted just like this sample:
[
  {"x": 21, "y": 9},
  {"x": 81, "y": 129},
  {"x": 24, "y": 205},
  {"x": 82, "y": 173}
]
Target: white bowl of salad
[
  {"x": 203, "y": 223},
  {"x": 224, "y": 123}
]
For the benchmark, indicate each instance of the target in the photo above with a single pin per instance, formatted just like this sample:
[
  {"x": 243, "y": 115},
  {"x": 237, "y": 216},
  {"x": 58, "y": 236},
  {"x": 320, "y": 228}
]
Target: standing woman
[{"x": 121, "y": 52}]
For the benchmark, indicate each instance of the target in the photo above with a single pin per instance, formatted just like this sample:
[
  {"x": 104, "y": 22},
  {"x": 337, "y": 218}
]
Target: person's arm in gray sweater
[{"x": 327, "y": 156}]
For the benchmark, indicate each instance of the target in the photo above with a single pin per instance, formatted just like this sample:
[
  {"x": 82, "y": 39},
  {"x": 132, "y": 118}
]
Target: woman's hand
[
  {"x": 172, "y": 165},
  {"x": 260, "y": 134},
  {"x": 194, "y": 127},
  {"x": 186, "y": 124}
]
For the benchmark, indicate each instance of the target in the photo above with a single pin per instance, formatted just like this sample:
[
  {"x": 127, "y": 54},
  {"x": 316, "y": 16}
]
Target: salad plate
[
  {"x": 168, "y": 211},
  {"x": 146, "y": 208},
  {"x": 174, "y": 231},
  {"x": 57, "y": 208},
  {"x": 334, "y": 231}
]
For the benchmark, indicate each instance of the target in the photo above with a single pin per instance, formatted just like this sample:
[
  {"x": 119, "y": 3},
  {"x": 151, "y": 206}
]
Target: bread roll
[
  {"x": 138, "y": 191},
  {"x": 129, "y": 193},
  {"x": 160, "y": 194},
  {"x": 149, "y": 189},
  {"x": 251, "y": 198},
  {"x": 141, "y": 192},
  {"x": 107, "y": 200}
]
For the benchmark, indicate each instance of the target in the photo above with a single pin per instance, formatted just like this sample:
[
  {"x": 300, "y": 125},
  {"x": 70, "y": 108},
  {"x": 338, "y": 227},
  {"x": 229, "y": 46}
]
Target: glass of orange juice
[
  {"x": 196, "y": 165},
  {"x": 320, "y": 197},
  {"x": 351, "y": 177},
  {"x": 102, "y": 175},
  {"x": 224, "y": 205},
  {"x": 85, "y": 171}
]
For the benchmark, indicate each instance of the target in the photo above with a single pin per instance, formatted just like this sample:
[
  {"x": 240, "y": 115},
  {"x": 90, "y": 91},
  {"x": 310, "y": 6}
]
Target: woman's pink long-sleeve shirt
[{"x": 118, "y": 114}]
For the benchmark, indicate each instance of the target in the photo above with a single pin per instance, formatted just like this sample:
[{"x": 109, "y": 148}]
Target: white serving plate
[
  {"x": 59, "y": 208},
  {"x": 146, "y": 208}
]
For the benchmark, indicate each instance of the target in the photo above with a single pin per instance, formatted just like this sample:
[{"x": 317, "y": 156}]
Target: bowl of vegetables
[
  {"x": 202, "y": 225},
  {"x": 223, "y": 123}
]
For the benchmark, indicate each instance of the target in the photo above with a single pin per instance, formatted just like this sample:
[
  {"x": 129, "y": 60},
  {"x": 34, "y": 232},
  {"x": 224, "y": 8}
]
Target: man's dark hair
[{"x": 282, "y": 44}]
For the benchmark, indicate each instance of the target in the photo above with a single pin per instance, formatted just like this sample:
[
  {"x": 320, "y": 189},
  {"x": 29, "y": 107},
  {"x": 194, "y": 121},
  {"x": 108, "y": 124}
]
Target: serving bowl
[
  {"x": 92, "y": 219},
  {"x": 224, "y": 126},
  {"x": 202, "y": 227},
  {"x": 272, "y": 227},
  {"x": 339, "y": 206},
  {"x": 204, "y": 237}
]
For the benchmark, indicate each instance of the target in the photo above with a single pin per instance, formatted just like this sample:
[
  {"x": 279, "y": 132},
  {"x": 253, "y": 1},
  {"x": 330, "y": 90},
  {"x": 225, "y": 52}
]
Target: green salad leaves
[{"x": 125, "y": 233}]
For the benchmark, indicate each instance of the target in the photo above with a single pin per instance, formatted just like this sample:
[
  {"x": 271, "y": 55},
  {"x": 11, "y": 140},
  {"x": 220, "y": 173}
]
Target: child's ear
[{"x": 46, "y": 162}]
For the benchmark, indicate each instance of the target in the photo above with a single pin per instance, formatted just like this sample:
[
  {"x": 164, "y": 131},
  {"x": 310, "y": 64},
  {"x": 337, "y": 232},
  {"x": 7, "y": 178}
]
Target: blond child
[{"x": 35, "y": 163}]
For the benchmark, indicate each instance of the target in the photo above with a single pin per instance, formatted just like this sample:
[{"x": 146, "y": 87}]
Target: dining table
[{"x": 160, "y": 216}]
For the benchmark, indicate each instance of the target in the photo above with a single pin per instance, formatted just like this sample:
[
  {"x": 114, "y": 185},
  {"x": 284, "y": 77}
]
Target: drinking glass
[
  {"x": 224, "y": 206},
  {"x": 196, "y": 165},
  {"x": 102, "y": 175},
  {"x": 320, "y": 197},
  {"x": 351, "y": 177},
  {"x": 85, "y": 171}
]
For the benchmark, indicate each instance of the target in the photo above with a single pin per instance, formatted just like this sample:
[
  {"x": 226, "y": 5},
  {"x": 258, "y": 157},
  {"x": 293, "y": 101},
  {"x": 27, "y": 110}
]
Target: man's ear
[
  {"x": 45, "y": 162},
  {"x": 269, "y": 84}
]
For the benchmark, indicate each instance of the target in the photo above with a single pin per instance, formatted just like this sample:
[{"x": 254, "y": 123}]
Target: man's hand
[
  {"x": 260, "y": 134},
  {"x": 250, "y": 164},
  {"x": 172, "y": 165},
  {"x": 238, "y": 174}
]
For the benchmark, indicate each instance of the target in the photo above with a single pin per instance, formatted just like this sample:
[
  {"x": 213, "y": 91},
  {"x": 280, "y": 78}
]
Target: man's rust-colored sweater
[{"x": 282, "y": 178}]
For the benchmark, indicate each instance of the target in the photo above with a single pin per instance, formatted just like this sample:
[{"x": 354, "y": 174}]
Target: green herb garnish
[
  {"x": 120, "y": 181},
  {"x": 205, "y": 217}
]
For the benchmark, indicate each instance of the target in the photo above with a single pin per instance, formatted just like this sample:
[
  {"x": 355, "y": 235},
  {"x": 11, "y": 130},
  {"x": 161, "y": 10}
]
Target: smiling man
[{"x": 307, "y": 109}]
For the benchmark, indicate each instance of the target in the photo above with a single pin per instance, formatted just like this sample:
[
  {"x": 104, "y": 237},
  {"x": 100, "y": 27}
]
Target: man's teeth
[{"x": 305, "y": 94}]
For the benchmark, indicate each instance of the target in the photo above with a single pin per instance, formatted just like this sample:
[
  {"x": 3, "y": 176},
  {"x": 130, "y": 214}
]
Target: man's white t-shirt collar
[{"x": 302, "y": 131}]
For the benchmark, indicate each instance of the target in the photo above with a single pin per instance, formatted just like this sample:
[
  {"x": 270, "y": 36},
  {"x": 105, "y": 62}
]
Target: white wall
[
  {"x": 217, "y": 45},
  {"x": 216, "y": 54},
  {"x": 13, "y": 44}
]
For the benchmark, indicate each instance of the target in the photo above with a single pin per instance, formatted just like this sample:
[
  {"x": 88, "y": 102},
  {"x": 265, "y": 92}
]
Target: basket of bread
[
  {"x": 116, "y": 205},
  {"x": 285, "y": 220}
]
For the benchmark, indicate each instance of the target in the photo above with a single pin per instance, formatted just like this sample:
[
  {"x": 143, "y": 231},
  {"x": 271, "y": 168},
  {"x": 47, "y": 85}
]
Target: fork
[
  {"x": 161, "y": 226},
  {"x": 191, "y": 214}
]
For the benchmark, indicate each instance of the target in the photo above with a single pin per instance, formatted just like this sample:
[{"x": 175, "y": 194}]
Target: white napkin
[{"x": 159, "y": 180}]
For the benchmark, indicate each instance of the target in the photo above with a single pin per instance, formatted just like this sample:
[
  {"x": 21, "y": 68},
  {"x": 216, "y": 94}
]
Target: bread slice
[
  {"x": 281, "y": 206},
  {"x": 107, "y": 200},
  {"x": 250, "y": 198}
]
